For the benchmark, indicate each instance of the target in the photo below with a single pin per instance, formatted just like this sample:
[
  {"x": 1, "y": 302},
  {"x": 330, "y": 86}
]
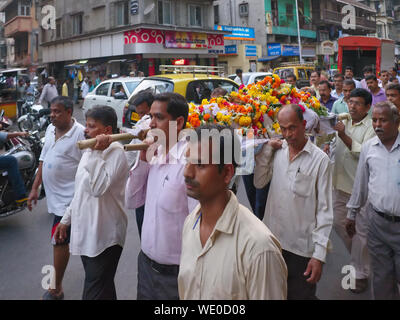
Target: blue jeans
[
  {"x": 10, "y": 164},
  {"x": 257, "y": 197}
]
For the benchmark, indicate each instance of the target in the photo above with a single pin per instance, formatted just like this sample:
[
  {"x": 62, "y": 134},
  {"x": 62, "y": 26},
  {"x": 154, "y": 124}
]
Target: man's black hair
[
  {"x": 393, "y": 86},
  {"x": 144, "y": 96},
  {"x": 368, "y": 69},
  {"x": 227, "y": 139},
  {"x": 66, "y": 102},
  {"x": 349, "y": 68},
  {"x": 326, "y": 82},
  {"x": 177, "y": 105},
  {"x": 291, "y": 75},
  {"x": 371, "y": 77},
  {"x": 338, "y": 75},
  {"x": 362, "y": 93},
  {"x": 349, "y": 82},
  {"x": 106, "y": 115},
  {"x": 239, "y": 71}
]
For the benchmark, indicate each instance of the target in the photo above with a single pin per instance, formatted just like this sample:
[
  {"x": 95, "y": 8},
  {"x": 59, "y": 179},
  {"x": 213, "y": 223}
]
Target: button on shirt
[
  {"x": 241, "y": 259},
  {"x": 346, "y": 160},
  {"x": 299, "y": 208},
  {"x": 161, "y": 187},
  {"x": 377, "y": 179},
  {"x": 60, "y": 162},
  {"x": 96, "y": 214}
]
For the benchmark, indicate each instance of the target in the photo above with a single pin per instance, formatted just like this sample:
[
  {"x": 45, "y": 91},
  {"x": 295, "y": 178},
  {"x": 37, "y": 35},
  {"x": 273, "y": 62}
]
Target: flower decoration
[{"x": 253, "y": 107}]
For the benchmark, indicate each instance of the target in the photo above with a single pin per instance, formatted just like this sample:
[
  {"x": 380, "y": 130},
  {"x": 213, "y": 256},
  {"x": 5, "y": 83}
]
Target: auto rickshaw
[{"x": 8, "y": 90}]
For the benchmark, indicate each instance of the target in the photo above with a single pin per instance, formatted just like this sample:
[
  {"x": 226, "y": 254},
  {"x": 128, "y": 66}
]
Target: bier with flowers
[{"x": 253, "y": 107}]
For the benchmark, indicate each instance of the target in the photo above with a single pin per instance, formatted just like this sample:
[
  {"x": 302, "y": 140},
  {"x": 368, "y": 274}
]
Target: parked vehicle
[
  {"x": 35, "y": 117},
  {"x": 114, "y": 93},
  {"x": 301, "y": 71},
  {"x": 358, "y": 52},
  {"x": 27, "y": 152},
  {"x": 195, "y": 83}
]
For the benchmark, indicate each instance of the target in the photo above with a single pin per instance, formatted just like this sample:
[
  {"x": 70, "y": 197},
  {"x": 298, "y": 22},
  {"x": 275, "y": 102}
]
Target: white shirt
[
  {"x": 85, "y": 89},
  {"x": 299, "y": 209},
  {"x": 141, "y": 125},
  {"x": 336, "y": 95},
  {"x": 241, "y": 259},
  {"x": 60, "y": 162},
  {"x": 96, "y": 214},
  {"x": 377, "y": 179}
]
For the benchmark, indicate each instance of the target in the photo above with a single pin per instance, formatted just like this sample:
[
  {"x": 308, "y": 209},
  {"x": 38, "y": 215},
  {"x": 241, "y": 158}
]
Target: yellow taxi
[
  {"x": 195, "y": 83},
  {"x": 301, "y": 71}
]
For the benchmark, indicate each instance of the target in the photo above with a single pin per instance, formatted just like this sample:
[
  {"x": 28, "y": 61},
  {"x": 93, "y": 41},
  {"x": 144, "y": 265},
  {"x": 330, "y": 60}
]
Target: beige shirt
[
  {"x": 241, "y": 259},
  {"x": 346, "y": 160},
  {"x": 299, "y": 208}
]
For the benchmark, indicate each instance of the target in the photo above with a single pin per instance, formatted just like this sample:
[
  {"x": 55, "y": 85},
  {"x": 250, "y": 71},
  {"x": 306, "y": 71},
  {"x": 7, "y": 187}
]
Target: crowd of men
[{"x": 197, "y": 240}]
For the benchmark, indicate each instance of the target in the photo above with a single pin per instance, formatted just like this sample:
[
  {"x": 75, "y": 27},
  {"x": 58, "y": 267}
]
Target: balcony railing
[
  {"x": 18, "y": 24},
  {"x": 337, "y": 17},
  {"x": 290, "y": 20}
]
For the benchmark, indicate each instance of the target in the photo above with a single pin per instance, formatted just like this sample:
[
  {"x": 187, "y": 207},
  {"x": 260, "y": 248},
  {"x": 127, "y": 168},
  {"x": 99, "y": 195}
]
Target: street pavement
[{"x": 25, "y": 249}]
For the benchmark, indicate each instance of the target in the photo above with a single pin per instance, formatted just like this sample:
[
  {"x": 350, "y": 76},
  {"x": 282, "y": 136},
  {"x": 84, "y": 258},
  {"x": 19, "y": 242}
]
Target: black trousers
[
  {"x": 298, "y": 287},
  {"x": 156, "y": 281},
  {"x": 99, "y": 274}
]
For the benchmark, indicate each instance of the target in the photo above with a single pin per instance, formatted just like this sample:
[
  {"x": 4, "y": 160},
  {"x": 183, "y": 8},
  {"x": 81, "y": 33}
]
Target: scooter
[{"x": 27, "y": 152}]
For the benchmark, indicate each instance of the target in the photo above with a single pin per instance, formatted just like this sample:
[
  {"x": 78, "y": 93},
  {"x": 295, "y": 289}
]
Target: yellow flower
[
  {"x": 204, "y": 101},
  {"x": 219, "y": 116}
]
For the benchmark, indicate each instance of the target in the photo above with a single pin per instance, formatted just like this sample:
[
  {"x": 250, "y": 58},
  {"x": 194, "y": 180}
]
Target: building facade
[
  {"x": 22, "y": 27},
  {"x": 115, "y": 37}
]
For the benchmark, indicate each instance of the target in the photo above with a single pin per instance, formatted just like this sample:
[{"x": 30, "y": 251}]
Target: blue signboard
[
  {"x": 290, "y": 51},
  {"x": 251, "y": 51},
  {"x": 232, "y": 49},
  {"x": 238, "y": 33},
  {"x": 274, "y": 49}
]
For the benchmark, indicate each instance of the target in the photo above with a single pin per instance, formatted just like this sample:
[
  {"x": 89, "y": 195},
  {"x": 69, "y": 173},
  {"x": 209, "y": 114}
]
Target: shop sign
[
  {"x": 238, "y": 33},
  {"x": 144, "y": 36},
  {"x": 251, "y": 51},
  {"x": 231, "y": 49},
  {"x": 290, "y": 51},
  {"x": 185, "y": 40},
  {"x": 274, "y": 49},
  {"x": 327, "y": 48}
]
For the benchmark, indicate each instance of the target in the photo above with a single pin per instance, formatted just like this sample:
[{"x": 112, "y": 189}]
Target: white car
[
  {"x": 114, "y": 93},
  {"x": 251, "y": 77}
]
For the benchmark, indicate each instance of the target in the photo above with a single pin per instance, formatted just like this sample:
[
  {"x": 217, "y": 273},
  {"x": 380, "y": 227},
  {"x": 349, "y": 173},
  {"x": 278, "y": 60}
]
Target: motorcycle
[
  {"x": 34, "y": 117},
  {"x": 27, "y": 152}
]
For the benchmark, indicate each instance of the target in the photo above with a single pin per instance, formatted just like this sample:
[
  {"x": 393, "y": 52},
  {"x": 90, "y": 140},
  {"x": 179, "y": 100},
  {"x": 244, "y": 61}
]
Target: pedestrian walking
[
  {"x": 341, "y": 104},
  {"x": 378, "y": 94},
  {"x": 96, "y": 213},
  {"x": 227, "y": 253},
  {"x": 393, "y": 94},
  {"x": 65, "y": 88},
  {"x": 85, "y": 88},
  {"x": 299, "y": 207},
  {"x": 158, "y": 183},
  {"x": 58, "y": 164},
  {"x": 351, "y": 135},
  {"x": 377, "y": 181},
  {"x": 49, "y": 92}
]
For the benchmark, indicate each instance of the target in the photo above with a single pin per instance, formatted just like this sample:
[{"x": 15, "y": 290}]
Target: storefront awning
[
  {"x": 116, "y": 60},
  {"x": 263, "y": 59}
]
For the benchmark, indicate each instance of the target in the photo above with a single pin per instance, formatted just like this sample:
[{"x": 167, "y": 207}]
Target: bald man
[{"x": 299, "y": 208}]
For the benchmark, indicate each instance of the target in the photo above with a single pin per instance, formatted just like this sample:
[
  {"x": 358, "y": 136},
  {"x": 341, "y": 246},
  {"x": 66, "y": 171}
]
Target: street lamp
[{"x": 298, "y": 32}]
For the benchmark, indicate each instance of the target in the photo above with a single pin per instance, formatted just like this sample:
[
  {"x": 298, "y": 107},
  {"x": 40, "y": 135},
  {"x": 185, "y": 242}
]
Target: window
[
  {"x": 131, "y": 86},
  {"x": 323, "y": 35},
  {"x": 244, "y": 9},
  {"x": 216, "y": 14},
  {"x": 24, "y": 9},
  {"x": 164, "y": 12},
  {"x": 121, "y": 13},
  {"x": 77, "y": 24},
  {"x": 58, "y": 29},
  {"x": 102, "y": 90},
  {"x": 302, "y": 74},
  {"x": 195, "y": 16}
]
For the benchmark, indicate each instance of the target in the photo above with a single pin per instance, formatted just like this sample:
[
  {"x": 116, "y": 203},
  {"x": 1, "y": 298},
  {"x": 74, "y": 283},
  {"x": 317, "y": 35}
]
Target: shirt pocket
[
  {"x": 302, "y": 185},
  {"x": 173, "y": 198}
]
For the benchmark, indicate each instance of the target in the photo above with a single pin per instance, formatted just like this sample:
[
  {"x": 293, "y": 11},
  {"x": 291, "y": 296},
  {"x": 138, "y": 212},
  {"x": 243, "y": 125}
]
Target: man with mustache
[
  {"x": 227, "y": 253},
  {"x": 378, "y": 182},
  {"x": 351, "y": 134},
  {"x": 393, "y": 94},
  {"x": 299, "y": 207}
]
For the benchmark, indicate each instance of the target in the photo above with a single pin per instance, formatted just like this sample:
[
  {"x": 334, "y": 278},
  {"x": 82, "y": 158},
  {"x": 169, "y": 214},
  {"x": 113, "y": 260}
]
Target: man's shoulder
[{"x": 258, "y": 237}]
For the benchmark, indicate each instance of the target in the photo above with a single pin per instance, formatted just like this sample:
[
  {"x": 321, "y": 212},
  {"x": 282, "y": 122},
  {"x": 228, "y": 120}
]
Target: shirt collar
[
  {"x": 363, "y": 121},
  {"x": 395, "y": 145}
]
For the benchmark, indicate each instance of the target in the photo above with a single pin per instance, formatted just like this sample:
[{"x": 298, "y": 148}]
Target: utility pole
[{"x": 298, "y": 32}]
